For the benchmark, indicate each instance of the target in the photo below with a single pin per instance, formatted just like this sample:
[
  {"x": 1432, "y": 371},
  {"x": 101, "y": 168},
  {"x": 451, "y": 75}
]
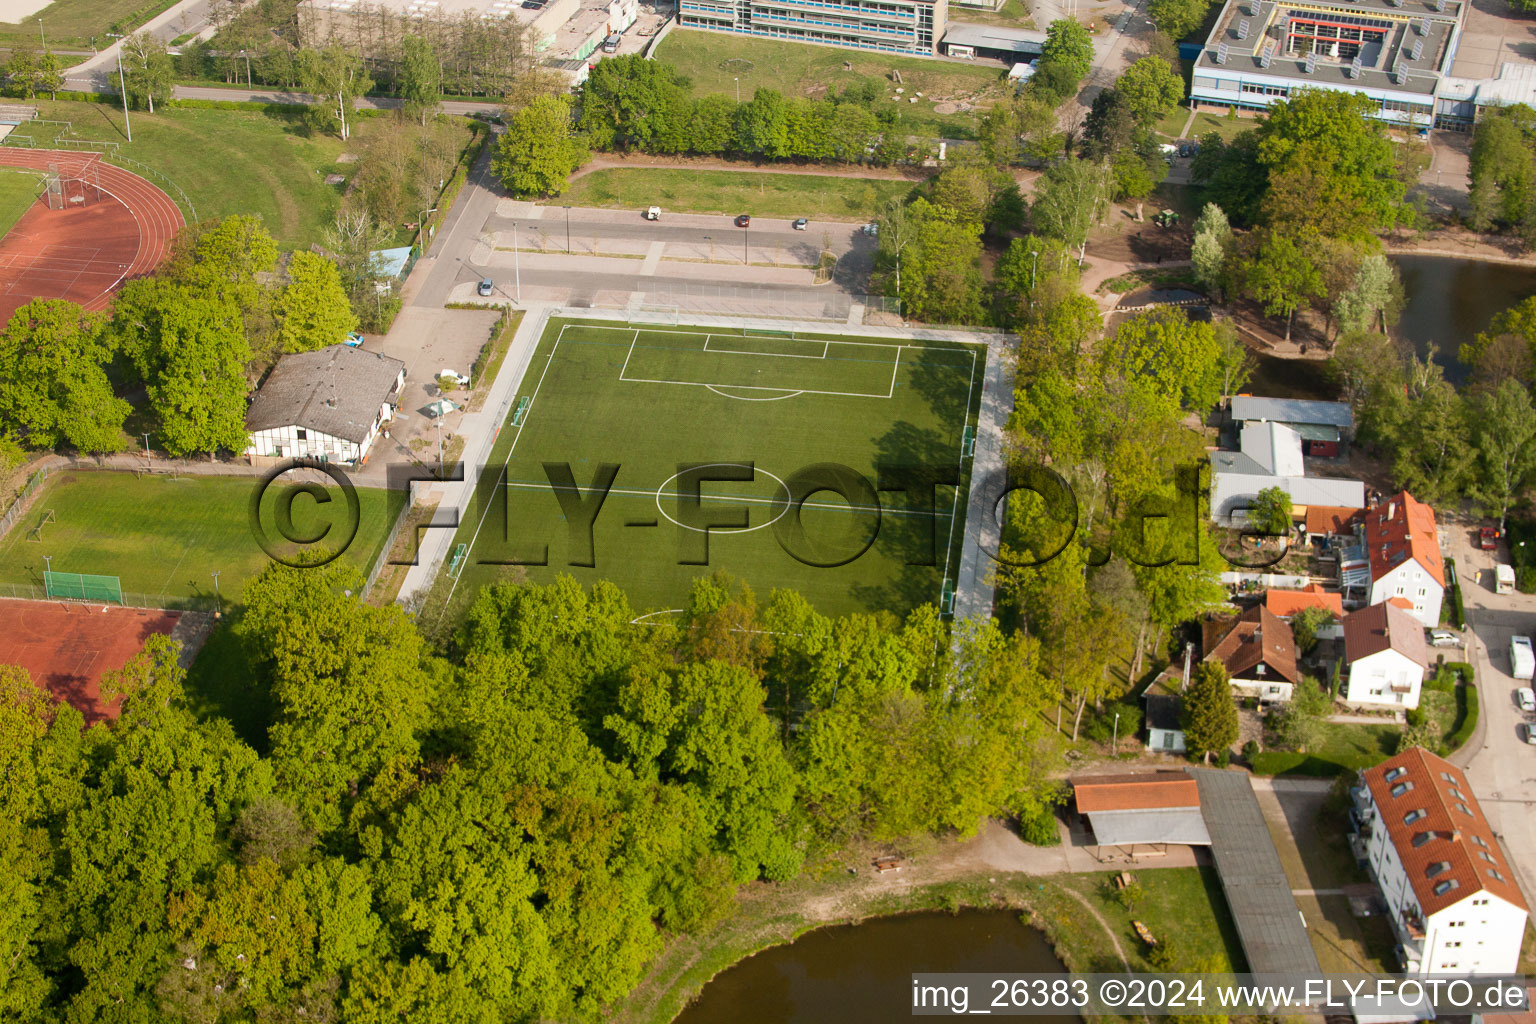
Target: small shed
[{"x": 1145, "y": 809}]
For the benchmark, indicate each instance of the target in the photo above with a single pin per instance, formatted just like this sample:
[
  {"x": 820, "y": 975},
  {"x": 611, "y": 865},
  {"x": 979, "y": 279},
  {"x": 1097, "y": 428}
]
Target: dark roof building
[{"x": 328, "y": 404}]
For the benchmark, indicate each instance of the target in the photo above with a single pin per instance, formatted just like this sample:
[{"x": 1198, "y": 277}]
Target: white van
[
  {"x": 1504, "y": 579},
  {"x": 1522, "y": 663}
]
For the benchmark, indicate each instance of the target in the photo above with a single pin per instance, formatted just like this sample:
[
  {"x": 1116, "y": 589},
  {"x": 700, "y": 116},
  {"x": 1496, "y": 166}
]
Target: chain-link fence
[
  {"x": 19, "y": 506},
  {"x": 164, "y": 600}
]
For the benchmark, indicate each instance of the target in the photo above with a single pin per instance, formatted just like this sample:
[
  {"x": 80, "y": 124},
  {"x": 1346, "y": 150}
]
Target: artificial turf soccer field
[
  {"x": 165, "y": 535},
  {"x": 652, "y": 399}
]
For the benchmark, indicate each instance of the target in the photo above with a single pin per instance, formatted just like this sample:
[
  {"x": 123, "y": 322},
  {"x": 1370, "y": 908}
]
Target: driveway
[{"x": 1499, "y": 764}]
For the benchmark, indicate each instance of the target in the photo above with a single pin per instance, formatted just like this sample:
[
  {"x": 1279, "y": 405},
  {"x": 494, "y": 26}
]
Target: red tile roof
[
  {"x": 1288, "y": 602},
  {"x": 1135, "y": 792},
  {"x": 1448, "y": 841},
  {"x": 1325, "y": 519},
  {"x": 1399, "y": 528},
  {"x": 1259, "y": 635},
  {"x": 1385, "y": 626}
]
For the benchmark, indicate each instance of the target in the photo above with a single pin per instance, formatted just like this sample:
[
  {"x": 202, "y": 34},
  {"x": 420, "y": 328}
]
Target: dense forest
[{"x": 504, "y": 831}]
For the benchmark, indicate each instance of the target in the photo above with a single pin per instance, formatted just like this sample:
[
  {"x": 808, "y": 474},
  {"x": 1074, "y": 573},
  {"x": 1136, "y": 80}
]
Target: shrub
[
  {"x": 1443, "y": 681},
  {"x": 1101, "y": 727},
  {"x": 1466, "y": 714},
  {"x": 378, "y": 317},
  {"x": 1223, "y": 758},
  {"x": 1037, "y": 825},
  {"x": 1416, "y": 717},
  {"x": 1251, "y": 750}
]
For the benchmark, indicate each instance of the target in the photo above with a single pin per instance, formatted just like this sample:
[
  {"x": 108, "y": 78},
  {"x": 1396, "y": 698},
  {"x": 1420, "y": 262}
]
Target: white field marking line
[
  {"x": 623, "y": 375},
  {"x": 501, "y": 477},
  {"x": 626, "y": 355},
  {"x": 748, "y": 398},
  {"x": 954, "y": 506},
  {"x": 771, "y": 355},
  {"x": 875, "y": 341},
  {"x": 896, "y": 365},
  {"x": 749, "y": 387},
  {"x": 744, "y": 499}
]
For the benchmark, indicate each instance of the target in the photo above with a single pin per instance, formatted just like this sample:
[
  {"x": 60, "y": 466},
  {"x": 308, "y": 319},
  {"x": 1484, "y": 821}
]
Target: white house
[
  {"x": 1398, "y": 556},
  {"x": 1450, "y": 894},
  {"x": 1385, "y": 655},
  {"x": 1259, "y": 651},
  {"x": 329, "y": 404},
  {"x": 1271, "y": 457}
]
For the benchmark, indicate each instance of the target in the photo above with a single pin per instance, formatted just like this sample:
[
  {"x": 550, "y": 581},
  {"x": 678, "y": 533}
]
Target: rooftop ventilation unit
[
  {"x": 1418, "y": 49},
  {"x": 1242, "y": 28},
  {"x": 1221, "y": 53},
  {"x": 1311, "y": 65}
]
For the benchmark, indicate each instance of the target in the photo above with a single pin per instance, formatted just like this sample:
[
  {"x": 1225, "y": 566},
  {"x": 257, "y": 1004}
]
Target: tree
[
  {"x": 336, "y": 77},
  {"x": 1503, "y": 170},
  {"x": 1376, "y": 289},
  {"x": 943, "y": 283},
  {"x": 1504, "y": 435},
  {"x": 1150, "y": 88},
  {"x": 1210, "y": 716},
  {"x": 1431, "y": 437},
  {"x": 539, "y": 150},
  {"x": 1306, "y": 623},
  {"x": 1213, "y": 243},
  {"x": 1270, "y": 512},
  {"x": 421, "y": 77},
  {"x": 1068, "y": 45},
  {"x": 1282, "y": 275},
  {"x": 191, "y": 350},
  {"x": 53, "y": 386},
  {"x": 1295, "y": 724},
  {"x": 1178, "y": 18},
  {"x": 762, "y": 126},
  {"x": 1070, "y": 198},
  {"x": 147, "y": 70},
  {"x": 313, "y": 310}
]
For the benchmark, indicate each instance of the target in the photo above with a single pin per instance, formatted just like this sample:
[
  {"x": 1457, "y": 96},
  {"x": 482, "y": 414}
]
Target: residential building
[
  {"x": 1323, "y": 427},
  {"x": 1271, "y": 456},
  {"x": 1385, "y": 655},
  {"x": 1165, "y": 722},
  {"x": 1397, "y": 554},
  {"x": 1258, "y": 650},
  {"x": 1450, "y": 894},
  {"x": 1324, "y": 522},
  {"x": 1286, "y": 603},
  {"x": 329, "y": 404},
  {"x": 897, "y": 26}
]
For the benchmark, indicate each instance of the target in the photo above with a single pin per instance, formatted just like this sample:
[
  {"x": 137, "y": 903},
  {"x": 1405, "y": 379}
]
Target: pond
[
  {"x": 855, "y": 973},
  {"x": 1450, "y": 301}
]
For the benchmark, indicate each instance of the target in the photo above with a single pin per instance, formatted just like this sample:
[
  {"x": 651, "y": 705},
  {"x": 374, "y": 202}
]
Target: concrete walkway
[{"x": 975, "y": 582}]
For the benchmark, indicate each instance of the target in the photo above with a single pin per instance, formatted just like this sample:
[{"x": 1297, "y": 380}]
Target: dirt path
[{"x": 1113, "y": 938}]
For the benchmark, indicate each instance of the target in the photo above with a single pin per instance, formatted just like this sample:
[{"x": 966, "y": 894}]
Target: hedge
[
  {"x": 1457, "y": 609},
  {"x": 1285, "y": 762},
  {"x": 1466, "y": 707}
]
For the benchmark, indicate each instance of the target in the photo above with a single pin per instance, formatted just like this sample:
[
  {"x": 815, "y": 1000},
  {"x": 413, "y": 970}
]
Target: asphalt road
[{"x": 1498, "y": 762}]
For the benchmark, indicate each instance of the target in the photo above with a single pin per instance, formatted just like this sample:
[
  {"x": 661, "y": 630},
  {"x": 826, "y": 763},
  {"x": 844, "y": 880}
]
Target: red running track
[{"x": 85, "y": 252}]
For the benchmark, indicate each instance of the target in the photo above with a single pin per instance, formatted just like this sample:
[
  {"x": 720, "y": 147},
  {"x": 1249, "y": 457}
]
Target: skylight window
[
  {"x": 1414, "y": 815},
  {"x": 1439, "y": 867},
  {"x": 1441, "y": 888},
  {"x": 1401, "y": 788}
]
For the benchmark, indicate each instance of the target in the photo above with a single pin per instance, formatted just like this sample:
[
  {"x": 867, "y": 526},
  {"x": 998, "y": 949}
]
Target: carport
[{"x": 1141, "y": 813}]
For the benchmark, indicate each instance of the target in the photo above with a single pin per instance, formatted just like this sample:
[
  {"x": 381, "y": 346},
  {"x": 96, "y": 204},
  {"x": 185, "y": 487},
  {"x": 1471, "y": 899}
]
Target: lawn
[
  {"x": 717, "y": 63},
  {"x": 18, "y": 191},
  {"x": 1204, "y": 124},
  {"x": 1184, "y": 906},
  {"x": 1013, "y": 14},
  {"x": 736, "y": 191},
  {"x": 648, "y": 401},
  {"x": 233, "y": 161},
  {"x": 74, "y": 23},
  {"x": 164, "y": 536}
]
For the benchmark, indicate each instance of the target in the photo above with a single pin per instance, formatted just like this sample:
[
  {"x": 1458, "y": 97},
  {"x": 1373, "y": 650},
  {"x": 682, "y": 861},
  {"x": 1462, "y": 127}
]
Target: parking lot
[{"x": 427, "y": 341}]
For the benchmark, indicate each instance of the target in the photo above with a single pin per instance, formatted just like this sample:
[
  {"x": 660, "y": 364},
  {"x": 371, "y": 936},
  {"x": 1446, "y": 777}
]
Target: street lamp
[
  {"x": 247, "y": 68},
  {"x": 439, "y": 424},
  {"x": 1114, "y": 742},
  {"x": 517, "y": 273},
  {"x": 745, "y": 228},
  {"x": 122, "y": 83},
  {"x": 421, "y": 227},
  {"x": 567, "y": 230},
  {"x": 738, "y": 90},
  {"x": 218, "y": 607},
  {"x": 42, "y": 34},
  {"x": 711, "y": 242}
]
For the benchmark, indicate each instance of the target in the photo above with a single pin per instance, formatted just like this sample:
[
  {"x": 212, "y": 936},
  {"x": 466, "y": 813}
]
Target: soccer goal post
[
  {"x": 766, "y": 332},
  {"x": 654, "y": 313},
  {"x": 78, "y": 586}
]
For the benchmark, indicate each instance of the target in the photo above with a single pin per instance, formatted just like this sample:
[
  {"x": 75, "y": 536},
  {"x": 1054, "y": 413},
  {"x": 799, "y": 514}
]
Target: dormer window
[
  {"x": 1413, "y": 816},
  {"x": 1441, "y": 888},
  {"x": 1396, "y": 773},
  {"x": 1439, "y": 867},
  {"x": 1458, "y": 794},
  {"x": 1401, "y": 788},
  {"x": 1486, "y": 856},
  {"x": 1421, "y": 838},
  {"x": 1464, "y": 809},
  {"x": 1495, "y": 873},
  {"x": 1480, "y": 842}
]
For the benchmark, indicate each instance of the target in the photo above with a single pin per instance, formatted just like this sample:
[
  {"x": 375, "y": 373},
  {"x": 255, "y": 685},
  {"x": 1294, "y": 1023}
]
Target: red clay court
[
  {"x": 67, "y": 646},
  {"x": 114, "y": 226}
]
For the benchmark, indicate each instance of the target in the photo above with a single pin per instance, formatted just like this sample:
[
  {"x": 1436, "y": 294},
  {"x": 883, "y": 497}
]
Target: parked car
[
  {"x": 871, "y": 228},
  {"x": 744, "y": 220},
  {"x": 653, "y": 213},
  {"x": 1526, "y": 698},
  {"x": 1530, "y": 733},
  {"x": 800, "y": 224},
  {"x": 487, "y": 286},
  {"x": 1488, "y": 538},
  {"x": 1443, "y": 638},
  {"x": 354, "y": 339},
  {"x": 1522, "y": 663},
  {"x": 453, "y": 375}
]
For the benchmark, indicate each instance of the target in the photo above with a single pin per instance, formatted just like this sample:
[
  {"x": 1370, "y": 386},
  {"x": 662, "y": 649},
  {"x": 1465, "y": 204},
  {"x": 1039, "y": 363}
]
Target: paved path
[{"x": 975, "y": 582}]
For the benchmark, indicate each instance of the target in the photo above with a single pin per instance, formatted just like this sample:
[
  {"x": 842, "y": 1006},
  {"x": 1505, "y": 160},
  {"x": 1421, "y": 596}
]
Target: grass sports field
[
  {"x": 164, "y": 536},
  {"x": 651, "y": 401},
  {"x": 18, "y": 191}
]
